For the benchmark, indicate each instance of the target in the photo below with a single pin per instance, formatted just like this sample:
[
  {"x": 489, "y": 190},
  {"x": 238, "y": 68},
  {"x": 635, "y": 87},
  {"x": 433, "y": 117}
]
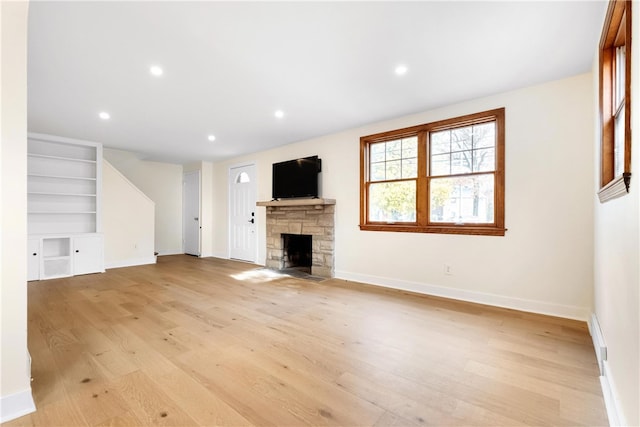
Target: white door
[
  {"x": 33, "y": 259},
  {"x": 87, "y": 254},
  {"x": 242, "y": 213},
  {"x": 191, "y": 213}
]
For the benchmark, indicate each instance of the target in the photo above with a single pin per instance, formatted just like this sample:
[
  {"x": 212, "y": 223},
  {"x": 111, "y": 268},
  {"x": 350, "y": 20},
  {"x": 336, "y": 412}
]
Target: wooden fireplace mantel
[{"x": 297, "y": 202}]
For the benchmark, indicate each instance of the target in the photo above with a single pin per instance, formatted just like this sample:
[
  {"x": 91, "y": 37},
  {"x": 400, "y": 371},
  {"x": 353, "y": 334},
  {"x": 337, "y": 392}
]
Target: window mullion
[{"x": 422, "y": 187}]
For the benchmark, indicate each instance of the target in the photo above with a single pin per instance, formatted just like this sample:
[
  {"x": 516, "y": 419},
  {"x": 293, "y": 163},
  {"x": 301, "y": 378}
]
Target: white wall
[
  {"x": 162, "y": 182},
  {"x": 617, "y": 267},
  {"x": 543, "y": 264},
  {"x": 128, "y": 221},
  {"x": 15, "y": 370}
]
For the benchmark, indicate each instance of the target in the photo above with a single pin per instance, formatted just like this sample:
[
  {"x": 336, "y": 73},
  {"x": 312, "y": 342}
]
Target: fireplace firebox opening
[{"x": 297, "y": 252}]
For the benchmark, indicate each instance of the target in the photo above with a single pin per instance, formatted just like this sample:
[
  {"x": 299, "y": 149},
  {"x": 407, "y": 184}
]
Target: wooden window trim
[
  {"x": 423, "y": 224},
  {"x": 616, "y": 31}
]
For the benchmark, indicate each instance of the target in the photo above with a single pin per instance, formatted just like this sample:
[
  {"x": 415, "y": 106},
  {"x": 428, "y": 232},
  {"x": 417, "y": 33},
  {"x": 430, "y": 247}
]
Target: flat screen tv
[{"x": 296, "y": 178}]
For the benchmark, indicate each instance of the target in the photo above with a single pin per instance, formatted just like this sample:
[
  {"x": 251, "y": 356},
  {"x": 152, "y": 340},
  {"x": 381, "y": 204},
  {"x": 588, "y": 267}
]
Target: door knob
[
  {"x": 251, "y": 221},
  {"x": 195, "y": 219}
]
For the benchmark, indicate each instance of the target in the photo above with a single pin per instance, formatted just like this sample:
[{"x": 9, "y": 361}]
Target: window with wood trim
[
  {"x": 615, "y": 101},
  {"x": 441, "y": 177}
]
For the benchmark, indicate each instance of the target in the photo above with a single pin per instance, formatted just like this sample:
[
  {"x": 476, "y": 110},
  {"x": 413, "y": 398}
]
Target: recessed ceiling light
[
  {"x": 104, "y": 115},
  {"x": 211, "y": 138},
  {"x": 155, "y": 70},
  {"x": 279, "y": 114},
  {"x": 401, "y": 70}
]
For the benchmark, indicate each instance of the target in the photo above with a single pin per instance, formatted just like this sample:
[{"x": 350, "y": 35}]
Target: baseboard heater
[{"x": 598, "y": 342}]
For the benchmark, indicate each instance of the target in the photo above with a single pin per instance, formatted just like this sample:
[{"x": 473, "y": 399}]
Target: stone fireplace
[{"x": 312, "y": 217}]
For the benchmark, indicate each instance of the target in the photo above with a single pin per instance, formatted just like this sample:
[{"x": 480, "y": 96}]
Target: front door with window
[{"x": 242, "y": 211}]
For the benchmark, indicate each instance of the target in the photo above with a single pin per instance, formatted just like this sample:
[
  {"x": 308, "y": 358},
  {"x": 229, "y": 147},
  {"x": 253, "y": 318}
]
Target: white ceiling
[{"x": 328, "y": 65}]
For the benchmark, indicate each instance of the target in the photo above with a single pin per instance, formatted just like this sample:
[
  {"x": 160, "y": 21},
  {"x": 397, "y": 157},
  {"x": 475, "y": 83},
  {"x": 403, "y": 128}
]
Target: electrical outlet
[{"x": 448, "y": 270}]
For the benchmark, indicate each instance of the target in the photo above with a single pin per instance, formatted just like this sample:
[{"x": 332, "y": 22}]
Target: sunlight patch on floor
[{"x": 259, "y": 275}]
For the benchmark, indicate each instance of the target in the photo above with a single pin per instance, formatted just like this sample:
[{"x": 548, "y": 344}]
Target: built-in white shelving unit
[
  {"x": 64, "y": 183},
  {"x": 56, "y": 257}
]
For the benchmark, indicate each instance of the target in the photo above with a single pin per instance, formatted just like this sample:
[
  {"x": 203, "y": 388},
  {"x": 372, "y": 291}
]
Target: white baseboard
[
  {"x": 16, "y": 405},
  {"x": 171, "y": 252},
  {"x": 130, "y": 262},
  {"x": 611, "y": 402},
  {"x": 533, "y": 306},
  {"x": 222, "y": 255}
]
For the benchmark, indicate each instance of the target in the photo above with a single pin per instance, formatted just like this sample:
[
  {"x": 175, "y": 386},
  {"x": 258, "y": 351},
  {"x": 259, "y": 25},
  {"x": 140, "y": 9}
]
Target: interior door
[
  {"x": 191, "y": 213},
  {"x": 242, "y": 211}
]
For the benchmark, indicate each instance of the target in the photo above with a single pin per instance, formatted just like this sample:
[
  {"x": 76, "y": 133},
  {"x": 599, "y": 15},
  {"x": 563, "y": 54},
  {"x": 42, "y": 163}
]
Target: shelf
[
  {"x": 55, "y": 235},
  {"x": 61, "y": 177},
  {"x": 46, "y": 188},
  {"x": 56, "y": 249},
  {"x": 70, "y": 159},
  {"x": 49, "y": 229},
  {"x": 40, "y": 193},
  {"x": 63, "y": 186},
  {"x": 55, "y": 148},
  {"x": 297, "y": 202},
  {"x": 62, "y": 212},
  {"x": 56, "y": 258}
]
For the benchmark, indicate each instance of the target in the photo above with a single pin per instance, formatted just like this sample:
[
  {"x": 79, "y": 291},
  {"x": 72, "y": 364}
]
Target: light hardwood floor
[{"x": 214, "y": 342}]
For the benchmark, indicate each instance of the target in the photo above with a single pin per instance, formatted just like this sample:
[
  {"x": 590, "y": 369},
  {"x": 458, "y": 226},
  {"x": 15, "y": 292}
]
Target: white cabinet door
[
  {"x": 88, "y": 254},
  {"x": 33, "y": 259}
]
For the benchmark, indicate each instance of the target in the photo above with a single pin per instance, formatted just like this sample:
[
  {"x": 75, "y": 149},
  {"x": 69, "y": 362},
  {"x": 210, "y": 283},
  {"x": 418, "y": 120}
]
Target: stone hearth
[{"x": 314, "y": 217}]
